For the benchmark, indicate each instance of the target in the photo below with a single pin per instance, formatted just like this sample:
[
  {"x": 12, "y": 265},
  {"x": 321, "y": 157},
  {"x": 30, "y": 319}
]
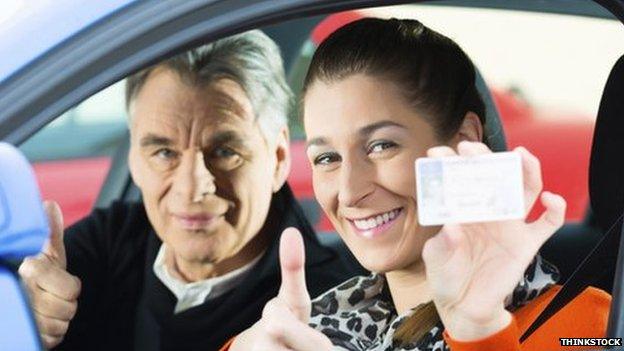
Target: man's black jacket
[{"x": 124, "y": 306}]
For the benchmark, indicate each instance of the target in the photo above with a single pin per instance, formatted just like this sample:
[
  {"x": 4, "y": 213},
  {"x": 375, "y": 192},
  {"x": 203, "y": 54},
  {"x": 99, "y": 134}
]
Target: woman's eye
[
  {"x": 380, "y": 146},
  {"x": 326, "y": 158}
]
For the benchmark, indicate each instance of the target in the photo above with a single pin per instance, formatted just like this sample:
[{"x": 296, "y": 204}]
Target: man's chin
[
  {"x": 204, "y": 251},
  {"x": 192, "y": 247}
]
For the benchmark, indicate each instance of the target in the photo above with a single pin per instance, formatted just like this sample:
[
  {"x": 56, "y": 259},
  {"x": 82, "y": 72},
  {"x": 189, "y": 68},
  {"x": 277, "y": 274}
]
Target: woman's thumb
[{"x": 293, "y": 291}]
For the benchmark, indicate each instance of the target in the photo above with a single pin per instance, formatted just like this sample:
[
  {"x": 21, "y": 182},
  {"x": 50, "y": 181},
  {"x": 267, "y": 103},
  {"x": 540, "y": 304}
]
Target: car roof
[
  {"x": 28, "y": 29},
  {"x": 118, "y": 39}
]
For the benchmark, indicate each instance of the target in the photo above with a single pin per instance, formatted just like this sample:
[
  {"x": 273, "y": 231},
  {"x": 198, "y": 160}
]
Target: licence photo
[{"x": 305, "y": 175}]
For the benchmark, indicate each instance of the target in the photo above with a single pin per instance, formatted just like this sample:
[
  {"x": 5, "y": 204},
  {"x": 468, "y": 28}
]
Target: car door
[{"x": 139, "y": 34}]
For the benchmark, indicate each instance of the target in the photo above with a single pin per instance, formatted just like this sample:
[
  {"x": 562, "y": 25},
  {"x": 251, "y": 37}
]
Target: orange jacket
[{"x": 584, "y": 317}]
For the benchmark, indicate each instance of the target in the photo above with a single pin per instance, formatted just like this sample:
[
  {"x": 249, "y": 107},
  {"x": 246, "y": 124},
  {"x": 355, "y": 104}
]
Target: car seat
[
  {"x": 606, "y": 188},
  {"x": 606, "y": 175},
  {"x": 573, "y": 242},
  {"x": 23, "y": 230}
]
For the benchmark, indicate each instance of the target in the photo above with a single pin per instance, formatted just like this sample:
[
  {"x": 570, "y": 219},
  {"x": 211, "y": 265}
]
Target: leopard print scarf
[{"x": 359, "y": 315}]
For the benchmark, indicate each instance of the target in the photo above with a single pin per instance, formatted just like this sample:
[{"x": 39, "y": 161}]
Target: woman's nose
[{"x": 355, "y": 183}]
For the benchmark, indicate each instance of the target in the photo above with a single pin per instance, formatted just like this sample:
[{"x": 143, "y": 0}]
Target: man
[{"x": 195, "y": 263}]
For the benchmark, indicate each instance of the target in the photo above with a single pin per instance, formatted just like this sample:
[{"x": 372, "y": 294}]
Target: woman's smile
[{"x": 376, "y": 225}]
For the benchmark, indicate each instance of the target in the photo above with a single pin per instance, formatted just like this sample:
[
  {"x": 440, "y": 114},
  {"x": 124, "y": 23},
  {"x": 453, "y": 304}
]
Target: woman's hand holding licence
[
  {"x": 284, "y": 322},
  {"x": 471, "y": 268}
]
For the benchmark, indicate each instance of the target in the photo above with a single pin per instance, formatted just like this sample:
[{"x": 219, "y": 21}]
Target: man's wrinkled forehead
[
  {"x": 229, "y": 99},
  {"x": 170, "y": 98}
]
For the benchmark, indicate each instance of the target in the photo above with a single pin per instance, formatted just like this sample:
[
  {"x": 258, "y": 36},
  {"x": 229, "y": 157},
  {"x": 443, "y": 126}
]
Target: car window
[
  {"x": 72, "y": 155},
  {"x": 546, "y": 73}
]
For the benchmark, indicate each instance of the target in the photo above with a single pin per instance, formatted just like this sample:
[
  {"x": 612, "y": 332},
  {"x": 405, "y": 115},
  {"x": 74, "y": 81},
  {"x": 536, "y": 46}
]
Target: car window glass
[
  {"x": 546, "y": 73},
  {"x": 75, "y": 151}
]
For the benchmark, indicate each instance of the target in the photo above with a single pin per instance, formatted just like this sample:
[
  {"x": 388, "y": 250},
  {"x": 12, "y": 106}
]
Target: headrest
[
  {"x": 493, "y": 129},
  {"x": 23, "y": 222},
  {"x": 606, "y": 170}
]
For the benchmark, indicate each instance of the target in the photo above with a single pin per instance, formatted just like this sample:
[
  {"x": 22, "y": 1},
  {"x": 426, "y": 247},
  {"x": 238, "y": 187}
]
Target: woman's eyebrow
[
  {"x": 366, "y": 131},
  {"x": 319, "y": 141}
]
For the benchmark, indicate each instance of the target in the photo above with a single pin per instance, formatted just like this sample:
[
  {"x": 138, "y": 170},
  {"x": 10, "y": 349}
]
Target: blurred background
[{"x": 546, "y": 73}]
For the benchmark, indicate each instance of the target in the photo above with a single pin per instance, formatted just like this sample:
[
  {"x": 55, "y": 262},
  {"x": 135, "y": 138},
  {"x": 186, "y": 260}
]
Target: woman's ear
[
  {"x": 471, "y": 129},
  {"x": 282, "y": 154}
]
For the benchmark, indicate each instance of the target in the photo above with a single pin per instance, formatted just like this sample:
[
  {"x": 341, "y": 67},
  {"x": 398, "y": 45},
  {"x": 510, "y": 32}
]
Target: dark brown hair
[{"x": 435, "y": 75}]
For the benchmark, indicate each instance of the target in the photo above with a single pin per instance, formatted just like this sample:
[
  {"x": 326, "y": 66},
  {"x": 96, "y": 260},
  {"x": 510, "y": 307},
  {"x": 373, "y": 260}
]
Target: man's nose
[
  {"x": 204, "y": 180},
  {"x": 195, "y": 180},
  {"x": 355, "y": 182}
]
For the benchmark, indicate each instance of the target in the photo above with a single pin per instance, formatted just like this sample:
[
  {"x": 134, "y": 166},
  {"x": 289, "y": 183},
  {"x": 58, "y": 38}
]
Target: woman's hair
[{"x": 435, "y": 75}]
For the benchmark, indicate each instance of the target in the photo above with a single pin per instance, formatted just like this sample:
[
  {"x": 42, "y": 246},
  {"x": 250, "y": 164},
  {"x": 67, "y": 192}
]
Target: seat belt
[{"x": 583, "y": 275}]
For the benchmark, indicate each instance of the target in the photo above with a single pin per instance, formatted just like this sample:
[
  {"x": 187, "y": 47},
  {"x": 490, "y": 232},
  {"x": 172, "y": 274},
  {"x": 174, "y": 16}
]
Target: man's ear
[
  {"x": 282, "y": 154},
  {"x": 471, "y": 129}
]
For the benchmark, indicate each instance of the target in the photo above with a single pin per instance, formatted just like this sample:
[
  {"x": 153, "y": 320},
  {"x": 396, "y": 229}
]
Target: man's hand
[
  {"x": 472, "y": 267},
  {"x": 284, "y": 323},
  {"x": 53, "y": 291}
]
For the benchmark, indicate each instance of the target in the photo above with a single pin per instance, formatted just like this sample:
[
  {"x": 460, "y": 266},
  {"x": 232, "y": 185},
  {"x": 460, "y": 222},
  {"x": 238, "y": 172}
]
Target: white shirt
[{"x": 194, "y": 294}]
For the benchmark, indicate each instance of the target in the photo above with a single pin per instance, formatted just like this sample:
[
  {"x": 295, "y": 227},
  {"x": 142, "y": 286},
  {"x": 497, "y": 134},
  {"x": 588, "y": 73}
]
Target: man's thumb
[
  {"x": 55, "y": 248},
  {"x": 293, "y": 291}
]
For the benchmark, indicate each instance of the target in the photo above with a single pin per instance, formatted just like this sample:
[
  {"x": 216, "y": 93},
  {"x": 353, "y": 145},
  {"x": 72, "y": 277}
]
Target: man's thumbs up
[
  {"x": 55, "y": 248},
  {"x": 293, "y": 290},
  {"x": 53, "y": 291}
]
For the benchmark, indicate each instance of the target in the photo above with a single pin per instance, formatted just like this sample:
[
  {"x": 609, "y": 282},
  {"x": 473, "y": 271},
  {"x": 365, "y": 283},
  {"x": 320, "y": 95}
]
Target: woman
[{"x": 378, "y": 95}]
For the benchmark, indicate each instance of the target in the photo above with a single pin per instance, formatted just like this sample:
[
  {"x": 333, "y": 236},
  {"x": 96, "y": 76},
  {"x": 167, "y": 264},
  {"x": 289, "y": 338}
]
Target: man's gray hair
[{"x": 251, "y": 59}]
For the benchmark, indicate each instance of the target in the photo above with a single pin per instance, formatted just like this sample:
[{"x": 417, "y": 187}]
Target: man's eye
[
  {"x": 380, "y": 146},
  {"x": 224, "y": 159},
  {"x": 166, "y": 154},
  {"x": 326, "y": 158},
  {"x": 223, "y": 152}
]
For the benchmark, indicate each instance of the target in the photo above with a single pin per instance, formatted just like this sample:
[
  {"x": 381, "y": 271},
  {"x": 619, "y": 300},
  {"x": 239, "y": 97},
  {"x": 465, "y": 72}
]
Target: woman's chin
[
  {"x": 380, "y": 268},
  {"x": 383, "y": 257},
  {"x": 380, "y": 263}
]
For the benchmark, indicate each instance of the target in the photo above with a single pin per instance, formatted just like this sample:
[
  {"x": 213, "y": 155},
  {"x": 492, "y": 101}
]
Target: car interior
[
  {"x": 119, "y": 186},
  {"x": 571, "y": 247},
  {"x": 566, "y": 249},
  {"x": 601, "y": 264}
]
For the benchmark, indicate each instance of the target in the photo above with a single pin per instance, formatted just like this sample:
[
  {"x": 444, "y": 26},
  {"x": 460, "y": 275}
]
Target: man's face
[{"x": 205, "y": 170}]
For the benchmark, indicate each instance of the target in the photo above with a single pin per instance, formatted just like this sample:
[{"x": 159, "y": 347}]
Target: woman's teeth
[{"x": 376, "y": 221}]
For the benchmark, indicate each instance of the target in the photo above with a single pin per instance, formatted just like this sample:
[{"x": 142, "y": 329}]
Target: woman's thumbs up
[
  {"x": 284, "y": 323},
  {"x": 293, "y": 290}
]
